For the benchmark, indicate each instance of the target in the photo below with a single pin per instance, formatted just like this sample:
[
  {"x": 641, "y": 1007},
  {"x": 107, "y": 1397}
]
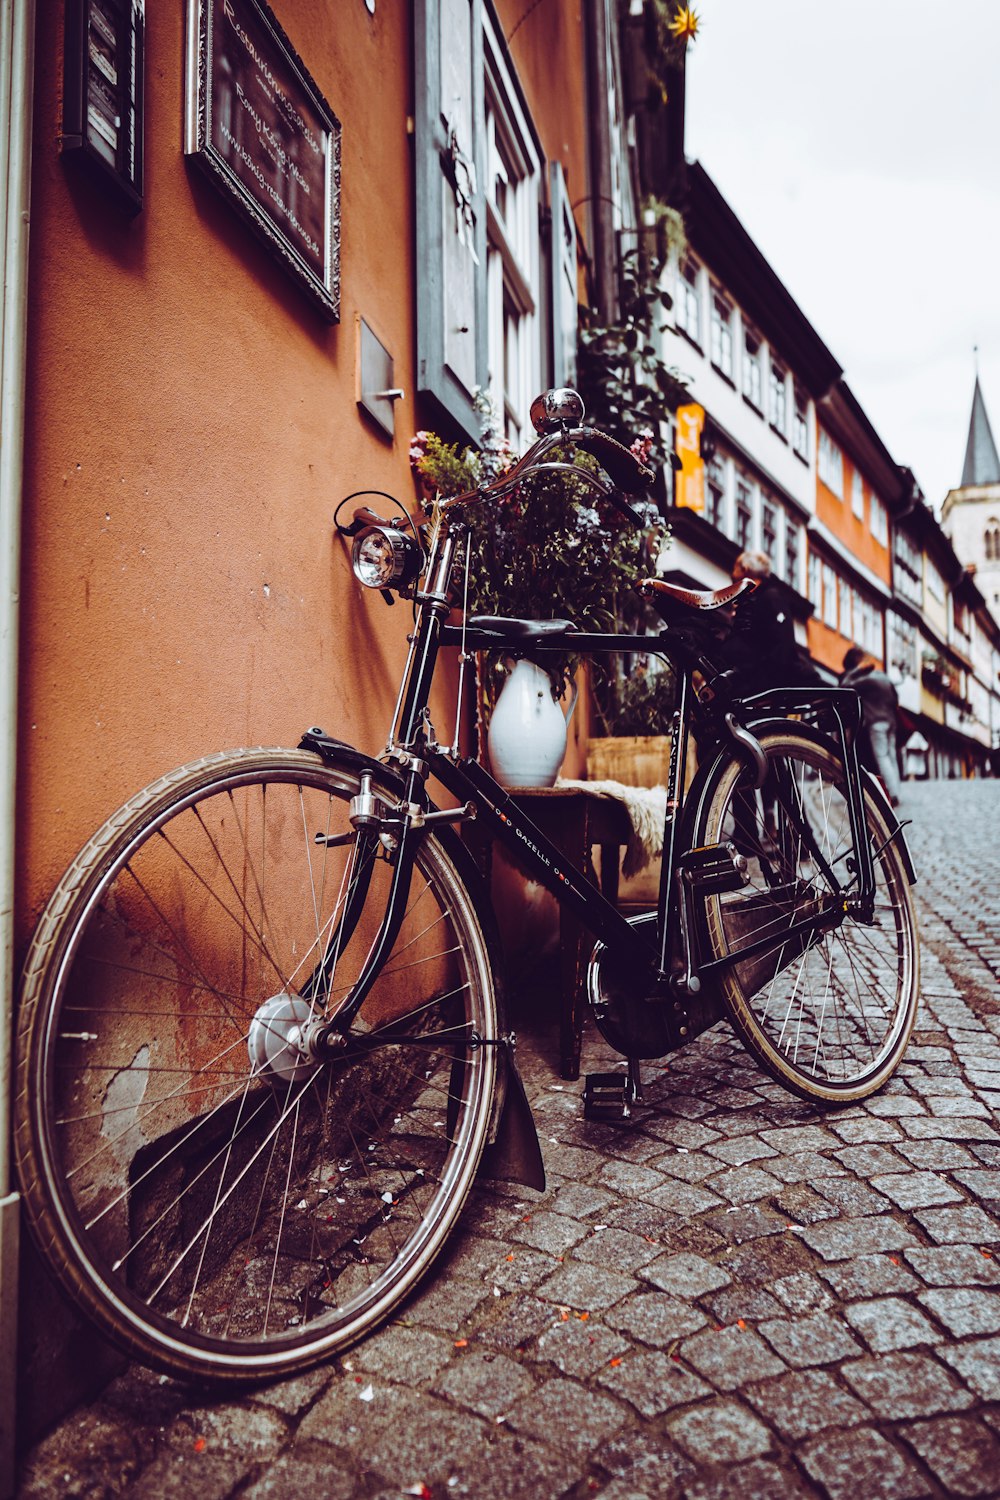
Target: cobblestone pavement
[{"x": 738, "y": 1296}]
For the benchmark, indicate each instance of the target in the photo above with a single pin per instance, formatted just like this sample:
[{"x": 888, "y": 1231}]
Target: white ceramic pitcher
[{"x": 527, "y": 733}]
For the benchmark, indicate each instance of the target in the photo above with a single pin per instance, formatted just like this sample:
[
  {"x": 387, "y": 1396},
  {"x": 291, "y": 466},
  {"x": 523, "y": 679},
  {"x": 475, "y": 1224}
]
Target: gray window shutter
[
  {"x": 452, "y": 347},
  {"x": 564, "y": 291}
]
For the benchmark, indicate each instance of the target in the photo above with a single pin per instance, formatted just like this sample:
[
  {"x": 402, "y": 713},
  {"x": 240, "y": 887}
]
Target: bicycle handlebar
[{"x": 622, "y": 470}]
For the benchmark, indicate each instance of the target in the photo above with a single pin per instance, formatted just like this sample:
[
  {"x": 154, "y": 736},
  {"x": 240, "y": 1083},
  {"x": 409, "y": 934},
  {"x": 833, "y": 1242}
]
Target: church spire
[{"x": 982, "y": 466}]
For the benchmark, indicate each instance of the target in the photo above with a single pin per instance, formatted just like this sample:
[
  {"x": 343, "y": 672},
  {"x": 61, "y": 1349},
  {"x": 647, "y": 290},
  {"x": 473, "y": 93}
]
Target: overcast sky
[{"x": 860, "y": 147}]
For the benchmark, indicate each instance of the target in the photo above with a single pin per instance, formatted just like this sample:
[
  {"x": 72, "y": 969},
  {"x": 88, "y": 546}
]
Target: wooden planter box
[{"x": 634, "y": 760}]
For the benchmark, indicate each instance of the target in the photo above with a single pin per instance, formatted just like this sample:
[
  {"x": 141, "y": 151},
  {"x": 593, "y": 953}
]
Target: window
[
  {"x": 778, "y": 391},
  {"x": 512, "y": 174},
  {"x": 792, "y": 552},
  {"x": 715, "y": 475},
  {"x": 744, "y": 513},
  {"x": 879, "y": 521},
  {"x": 908, "y": 569},
  {"x": 769, "y": 530},
  {"x": 722, "y": 335},
  {"x": 935, "y": 583},
  {"x": 815, "y": 583},
  {"x": 752, "y": 378},
  {"x": 478, "y": 254},
  {"x": 857, "y": 496},
  {"x": 689, "y": 302},
  {"x": 829, "y": 597},
  {"x": 903, "y": 650},
  {"x": 800, "y": 425},
  {"x": 991, "y": 540},
  {"x": 831, "y": 464},
  {"x": 846, "y": 610}
]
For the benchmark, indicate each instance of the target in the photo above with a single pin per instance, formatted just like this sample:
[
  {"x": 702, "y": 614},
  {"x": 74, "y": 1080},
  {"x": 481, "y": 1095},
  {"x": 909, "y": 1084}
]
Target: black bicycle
[{"x": 262, "y": 1047}]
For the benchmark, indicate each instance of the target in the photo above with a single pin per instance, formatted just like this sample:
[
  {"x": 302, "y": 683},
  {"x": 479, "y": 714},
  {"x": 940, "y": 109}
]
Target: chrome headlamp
[{"x": 385, "y": 557}]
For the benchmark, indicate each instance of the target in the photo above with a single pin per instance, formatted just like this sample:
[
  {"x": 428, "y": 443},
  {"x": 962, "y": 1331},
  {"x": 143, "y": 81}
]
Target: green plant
[
  {"x": 640, "y": 703},
  {"x": 625, "y": 383},
  {"x": 548, "y": 550}
]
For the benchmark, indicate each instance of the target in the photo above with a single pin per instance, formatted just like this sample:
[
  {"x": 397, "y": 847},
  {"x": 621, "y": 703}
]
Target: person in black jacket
[
  {"x": 879, "y": 708},
  {"x": 761, "y": 645}
]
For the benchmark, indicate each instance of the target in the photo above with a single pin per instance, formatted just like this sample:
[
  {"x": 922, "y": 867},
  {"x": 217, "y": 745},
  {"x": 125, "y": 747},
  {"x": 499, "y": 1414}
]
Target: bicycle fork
[{"x": 379, "y": 831}]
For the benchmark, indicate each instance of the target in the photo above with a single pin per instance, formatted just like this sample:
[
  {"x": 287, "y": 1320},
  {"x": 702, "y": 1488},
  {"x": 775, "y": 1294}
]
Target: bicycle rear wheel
[
  {"x": 219, "y": 1204},
  {"x": 827, "y": 1012}
]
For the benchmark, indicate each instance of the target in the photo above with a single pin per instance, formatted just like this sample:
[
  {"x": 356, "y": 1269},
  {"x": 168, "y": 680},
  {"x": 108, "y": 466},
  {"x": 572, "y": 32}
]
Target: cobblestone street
[{"x": 737, "y": 1296}]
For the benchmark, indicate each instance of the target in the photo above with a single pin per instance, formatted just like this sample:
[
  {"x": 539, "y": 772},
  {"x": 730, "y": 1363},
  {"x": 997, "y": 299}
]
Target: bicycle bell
[{"x": 561, "y": 407}]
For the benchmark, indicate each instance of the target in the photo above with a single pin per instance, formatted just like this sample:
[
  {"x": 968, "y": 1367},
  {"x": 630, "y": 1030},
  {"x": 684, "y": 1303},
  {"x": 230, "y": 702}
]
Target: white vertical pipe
[
  {"x": 16, "y": 62},
  {"x": 17, "y": 41}
]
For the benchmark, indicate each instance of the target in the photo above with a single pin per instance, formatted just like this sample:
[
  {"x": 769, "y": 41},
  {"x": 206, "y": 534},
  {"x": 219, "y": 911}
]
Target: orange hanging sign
[{"x": 689, "y": 482}]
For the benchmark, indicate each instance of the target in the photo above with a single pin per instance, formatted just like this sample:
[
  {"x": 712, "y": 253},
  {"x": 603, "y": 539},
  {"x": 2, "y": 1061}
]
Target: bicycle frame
[{"x": 672, "y": 963}]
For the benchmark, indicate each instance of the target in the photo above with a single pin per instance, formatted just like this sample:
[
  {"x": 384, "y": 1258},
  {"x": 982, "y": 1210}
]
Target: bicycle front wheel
[
  {"x": 220, "y": 1204},
  {"x": 827, "y": 1011}
]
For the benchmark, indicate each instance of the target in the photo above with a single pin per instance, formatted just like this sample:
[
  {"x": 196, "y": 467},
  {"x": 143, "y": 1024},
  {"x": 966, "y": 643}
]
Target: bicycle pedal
[
  {"x": 607, "y": 1096},
  {"x": 714, "y": 867}
]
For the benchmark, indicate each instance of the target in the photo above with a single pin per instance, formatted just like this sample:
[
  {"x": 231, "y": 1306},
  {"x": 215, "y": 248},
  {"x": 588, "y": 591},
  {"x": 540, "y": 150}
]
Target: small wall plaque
[
  {"x": 102, "y": 106},
  {"x": 377, "y": 391},
  {"x": 259, "y": 126}
]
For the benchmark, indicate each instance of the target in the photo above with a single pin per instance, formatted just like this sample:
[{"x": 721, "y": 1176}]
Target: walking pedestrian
[{"x": 879, "y": 710}]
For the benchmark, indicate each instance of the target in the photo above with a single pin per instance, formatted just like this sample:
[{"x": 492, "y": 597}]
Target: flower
[{"x": 642, "y": 447}]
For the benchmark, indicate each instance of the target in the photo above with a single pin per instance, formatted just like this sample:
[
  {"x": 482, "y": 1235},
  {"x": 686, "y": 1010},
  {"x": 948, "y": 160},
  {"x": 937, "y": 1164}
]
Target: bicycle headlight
[{"x": 384, "y": 557}]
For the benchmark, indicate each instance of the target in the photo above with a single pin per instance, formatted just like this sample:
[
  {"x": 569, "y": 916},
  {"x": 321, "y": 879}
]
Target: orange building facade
[
  {"x": 192, "y": 413},
  {"x": 849, "y": 570}
]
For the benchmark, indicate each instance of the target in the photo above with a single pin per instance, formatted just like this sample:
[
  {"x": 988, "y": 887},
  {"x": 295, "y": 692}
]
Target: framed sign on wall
[{"x": 261, "y": 129}]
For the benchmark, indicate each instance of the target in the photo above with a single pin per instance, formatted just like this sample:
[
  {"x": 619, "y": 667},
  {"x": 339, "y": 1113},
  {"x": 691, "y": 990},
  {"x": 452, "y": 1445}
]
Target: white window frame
[
  {"x": 744, "y": 487},
  {"x": 721, "y": 350},
  {"x": 778, "y": 397},
  {"x": 814, "y": 584},
  {"x": 752, "y": 361},
  {"x": 829, "y": 596},
  {"x": 512, "y": 247},
  {"x": 792, "y": 566},
  {"x": 687, "y": 316},
  {"x": 769, "y": 508},
  {"x": 857, "y": 495},
  {"x": 716, "y": 483},
  {"x": 831, "y": 464},
  {"x": 800, "y": 424},
  {"x": 878, "y": 520}
]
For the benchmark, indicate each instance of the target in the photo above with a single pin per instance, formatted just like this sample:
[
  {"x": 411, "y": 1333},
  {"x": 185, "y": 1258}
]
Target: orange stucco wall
[
  {"x": 191, "y": 424},
  {"x": 850, "y": 529}
]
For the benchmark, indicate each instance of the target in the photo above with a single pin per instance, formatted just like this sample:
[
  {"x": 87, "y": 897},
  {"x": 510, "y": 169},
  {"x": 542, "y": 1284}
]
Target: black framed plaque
[{"x": 257, "y": 123}]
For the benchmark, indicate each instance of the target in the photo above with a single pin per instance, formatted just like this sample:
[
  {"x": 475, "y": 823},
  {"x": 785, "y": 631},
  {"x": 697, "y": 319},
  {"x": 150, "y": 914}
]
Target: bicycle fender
[
  {"x": 328, "y": 748},
  {"x": 704, "y": 783},
  {"x": 869, "y": 781},
  {"x": 513, "y": 1152}
]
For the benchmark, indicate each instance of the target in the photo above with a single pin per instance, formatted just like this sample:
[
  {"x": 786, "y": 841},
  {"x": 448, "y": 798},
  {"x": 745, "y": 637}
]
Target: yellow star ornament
[{"x": 684, "y": 25}]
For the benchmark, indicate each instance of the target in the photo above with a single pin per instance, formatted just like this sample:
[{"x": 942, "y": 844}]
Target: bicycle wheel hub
[{"x": 275, "y": 1040}]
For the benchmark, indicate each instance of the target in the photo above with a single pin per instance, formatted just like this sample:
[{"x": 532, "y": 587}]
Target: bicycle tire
[
  {"x": 829, "y": 1019},
  {"x": 221, "y": 1209}
]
